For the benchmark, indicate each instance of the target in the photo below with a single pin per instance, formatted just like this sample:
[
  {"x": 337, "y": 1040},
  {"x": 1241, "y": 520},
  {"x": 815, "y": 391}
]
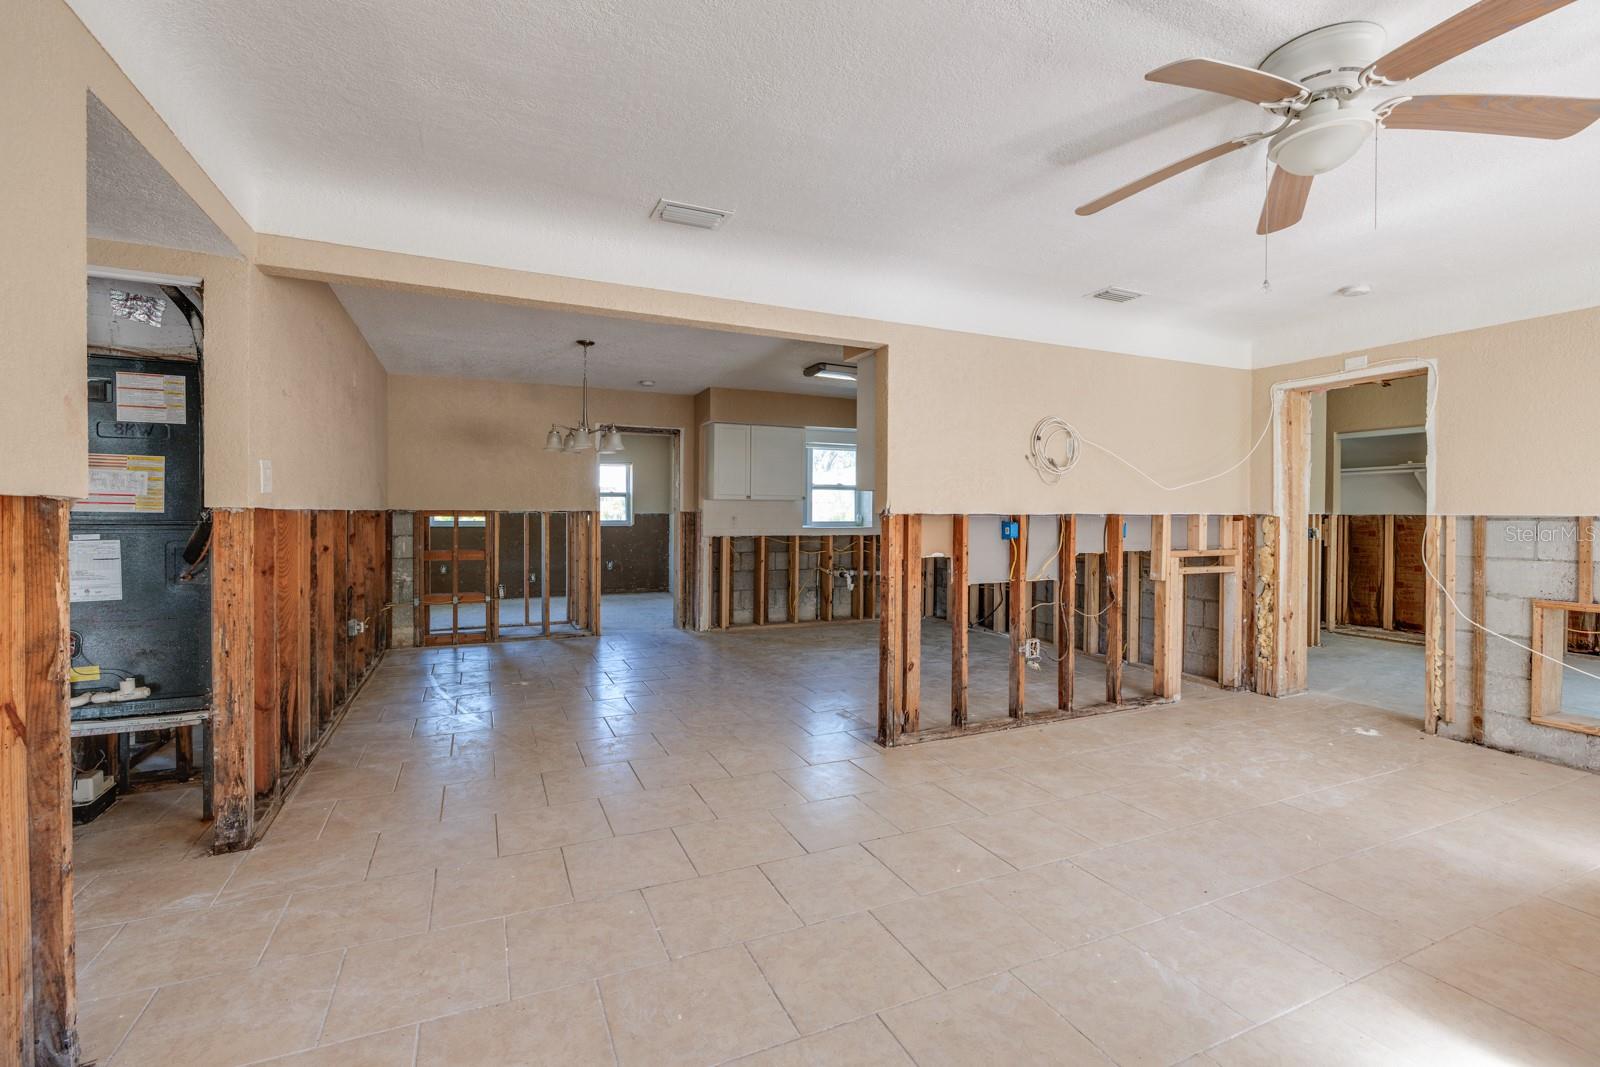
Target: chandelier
[{"x": 604, "y": 439}]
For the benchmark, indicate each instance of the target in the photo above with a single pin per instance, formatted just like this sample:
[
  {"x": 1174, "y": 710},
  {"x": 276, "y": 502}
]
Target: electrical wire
[{"x": 1475, "y": 624}]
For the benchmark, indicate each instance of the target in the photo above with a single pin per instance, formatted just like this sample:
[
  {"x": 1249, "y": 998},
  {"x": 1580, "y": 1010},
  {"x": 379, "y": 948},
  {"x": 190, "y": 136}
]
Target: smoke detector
[
  {"x": 701, "y": 218},
  {"x": 1359, "y": 289},
  {"x": 1116, "y": 295}
]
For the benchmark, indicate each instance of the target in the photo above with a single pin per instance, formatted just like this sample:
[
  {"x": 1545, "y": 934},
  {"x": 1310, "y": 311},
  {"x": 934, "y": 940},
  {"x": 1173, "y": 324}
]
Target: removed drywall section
[
  {"x": 635, "y": 558},
  {"x": 1525, "y": 559}
]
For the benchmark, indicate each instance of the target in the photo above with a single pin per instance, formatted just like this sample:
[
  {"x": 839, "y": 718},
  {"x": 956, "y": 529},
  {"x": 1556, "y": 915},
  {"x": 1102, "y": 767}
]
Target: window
[
  {"x": 831, "y": 498},
  {"x": 616, "y": 494}
]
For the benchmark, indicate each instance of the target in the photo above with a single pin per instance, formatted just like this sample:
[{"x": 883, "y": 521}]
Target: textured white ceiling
[
  {"x": 414, "y": 333},
  {"x": 132, "y": 198},
  {"x": 911, "y": 160}
]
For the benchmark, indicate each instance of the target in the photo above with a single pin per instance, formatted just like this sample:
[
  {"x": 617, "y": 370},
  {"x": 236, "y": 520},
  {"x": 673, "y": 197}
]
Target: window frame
[
  {"x": 1548, "y": 638},
  {"x": 626, "y": 495},
  {"x": 811, "y": 487}
]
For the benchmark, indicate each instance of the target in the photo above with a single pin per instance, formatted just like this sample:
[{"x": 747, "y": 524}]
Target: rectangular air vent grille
[
  {"x": 702, "y": 218},
  {"x": 1116, "y": 295}
]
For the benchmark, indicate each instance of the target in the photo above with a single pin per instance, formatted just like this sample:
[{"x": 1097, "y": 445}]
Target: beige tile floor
[{"x": 657, "y": 849}]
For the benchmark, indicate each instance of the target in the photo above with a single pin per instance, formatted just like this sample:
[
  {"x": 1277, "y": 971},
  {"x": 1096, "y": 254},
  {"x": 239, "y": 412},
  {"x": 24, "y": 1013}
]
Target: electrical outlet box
[
  {"x": 1030, "y": 648},
  {"x": 1010, "y": 529}
]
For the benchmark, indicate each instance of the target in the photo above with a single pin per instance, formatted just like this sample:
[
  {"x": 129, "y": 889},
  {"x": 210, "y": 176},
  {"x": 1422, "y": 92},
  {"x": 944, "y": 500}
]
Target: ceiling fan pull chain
[
  {"x": 1377, "y": 135},
  {"x": 1266, "y": 235}
]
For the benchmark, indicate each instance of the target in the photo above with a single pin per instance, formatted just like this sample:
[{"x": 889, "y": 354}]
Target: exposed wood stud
[
  {"x": 1586, "y": 621},
  {"x": 761, "y": 580},
  {"x": 725, "y": 581},
  {"x": 1480, "y": 608},
  {"x": 232, "y": 674},
  {"x": 890, "y": 633},
  {"x": 1386, "y": 586},
  {"x": 1092, "y": 584},
  {"x": 1113, "y": 608},
  {"x": 1066, "y": 611},
  {"x": 825, "y": 580},
  {"x": 1248, "y": 608},
  {"x": 1017, "y": 619},
  {"x": 49, "y": 782},
  {"x": 793, "y": 605},
  {"x": 1433, "y": 643},
  {"x": 911, "y": 621},
  {"x": 1232, "y": 611},
  {"x": 1132, "y": 607},
  {"x": 264, "y": 633},
  {"x": 858, "y": 591},
  {"x": 956, "y": 609},
  {"x": 16, "y": 886},
  {"x": 1167, "y": 665},
  {"x": 544, "y": 569},
  {"x": 1447, "y": 616},
  {"x": 1293, "y": 558}
]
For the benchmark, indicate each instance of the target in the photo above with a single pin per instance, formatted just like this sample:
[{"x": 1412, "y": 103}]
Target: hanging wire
[
  {"x": 1266, "y": 230},
  {"x": 1376, "y": 134}
]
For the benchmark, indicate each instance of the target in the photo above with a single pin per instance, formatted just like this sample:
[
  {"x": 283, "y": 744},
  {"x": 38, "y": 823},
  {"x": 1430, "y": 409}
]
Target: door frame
[
  {"x": 425, "y": 555},
  {"x": 1285, "y": 663}
]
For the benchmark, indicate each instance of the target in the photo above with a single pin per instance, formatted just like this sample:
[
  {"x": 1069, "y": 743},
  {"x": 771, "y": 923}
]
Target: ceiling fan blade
[
  {"x": 1229, "y": 79},
  {"x": 1286, "y": 201},
  {"x": 1551, "y": 117},
  {"x": 1461, "y": 32},
  {"x": 1169, "y": 171}
]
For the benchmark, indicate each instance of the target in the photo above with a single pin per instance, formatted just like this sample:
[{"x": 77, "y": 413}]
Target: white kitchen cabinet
[
  {"x": 756, "y": 462},
  {"x": 730, "y": 461},
  {"x": 777, "y": 463}
]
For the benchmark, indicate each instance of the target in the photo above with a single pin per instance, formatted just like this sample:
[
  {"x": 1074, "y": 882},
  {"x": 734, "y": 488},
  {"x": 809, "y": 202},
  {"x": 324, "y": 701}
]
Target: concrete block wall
[
  {"x": 402, "y": 552},
  {"x": 744, "y": 580},
  {"x": 1526, "y": 558},
  {"x": 1202, "y": 621}
]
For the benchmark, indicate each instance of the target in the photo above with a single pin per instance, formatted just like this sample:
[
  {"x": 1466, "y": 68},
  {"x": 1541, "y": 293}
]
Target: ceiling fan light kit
[{"x": 1315, "y": 82}]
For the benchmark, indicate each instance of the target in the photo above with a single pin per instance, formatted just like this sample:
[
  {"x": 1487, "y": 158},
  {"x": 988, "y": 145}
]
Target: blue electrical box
[{"x": 1010, "y": 529}]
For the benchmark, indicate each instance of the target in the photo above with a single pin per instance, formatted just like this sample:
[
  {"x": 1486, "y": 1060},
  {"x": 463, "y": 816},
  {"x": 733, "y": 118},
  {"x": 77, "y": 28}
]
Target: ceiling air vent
[
  {"x": 1115, "y": 295},
  {"x": 701, "y": 218}
]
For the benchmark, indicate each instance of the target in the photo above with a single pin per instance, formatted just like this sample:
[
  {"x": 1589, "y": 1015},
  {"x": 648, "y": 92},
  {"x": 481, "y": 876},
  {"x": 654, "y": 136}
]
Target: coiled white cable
[{"x": 1050, "y": 469}]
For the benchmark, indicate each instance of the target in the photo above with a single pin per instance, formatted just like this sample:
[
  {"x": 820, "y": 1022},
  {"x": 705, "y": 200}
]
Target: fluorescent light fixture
[{"x": 833, "y": 372}]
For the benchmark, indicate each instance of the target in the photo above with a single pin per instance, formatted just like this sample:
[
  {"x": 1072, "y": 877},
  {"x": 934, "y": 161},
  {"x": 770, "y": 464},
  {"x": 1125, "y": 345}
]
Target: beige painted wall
[
  {"x": 468, "y": 443},
  {"x": 1511, "y": 402},
  {"x": 651, "y": 456},
  {"x": 48, "y": 63},
  {"x": 288, "y": 377},
  {"x": 957, "y": 408},
  {"x": 318, "y": 403},
  {"x": 762, "y": 408}
]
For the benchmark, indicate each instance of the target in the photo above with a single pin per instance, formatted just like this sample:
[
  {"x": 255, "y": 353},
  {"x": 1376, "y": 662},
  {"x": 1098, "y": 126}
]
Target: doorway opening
[
  {"x": 638, "y": 501},
  {"x": 1362, "y": 612}
]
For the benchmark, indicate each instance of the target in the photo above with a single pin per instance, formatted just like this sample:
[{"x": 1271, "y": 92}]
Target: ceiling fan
[{"x": 1314, "y": 84}]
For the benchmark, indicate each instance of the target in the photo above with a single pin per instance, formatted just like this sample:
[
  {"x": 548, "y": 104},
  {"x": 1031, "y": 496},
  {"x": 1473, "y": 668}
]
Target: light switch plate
[{"x": 266, "y": 476}]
